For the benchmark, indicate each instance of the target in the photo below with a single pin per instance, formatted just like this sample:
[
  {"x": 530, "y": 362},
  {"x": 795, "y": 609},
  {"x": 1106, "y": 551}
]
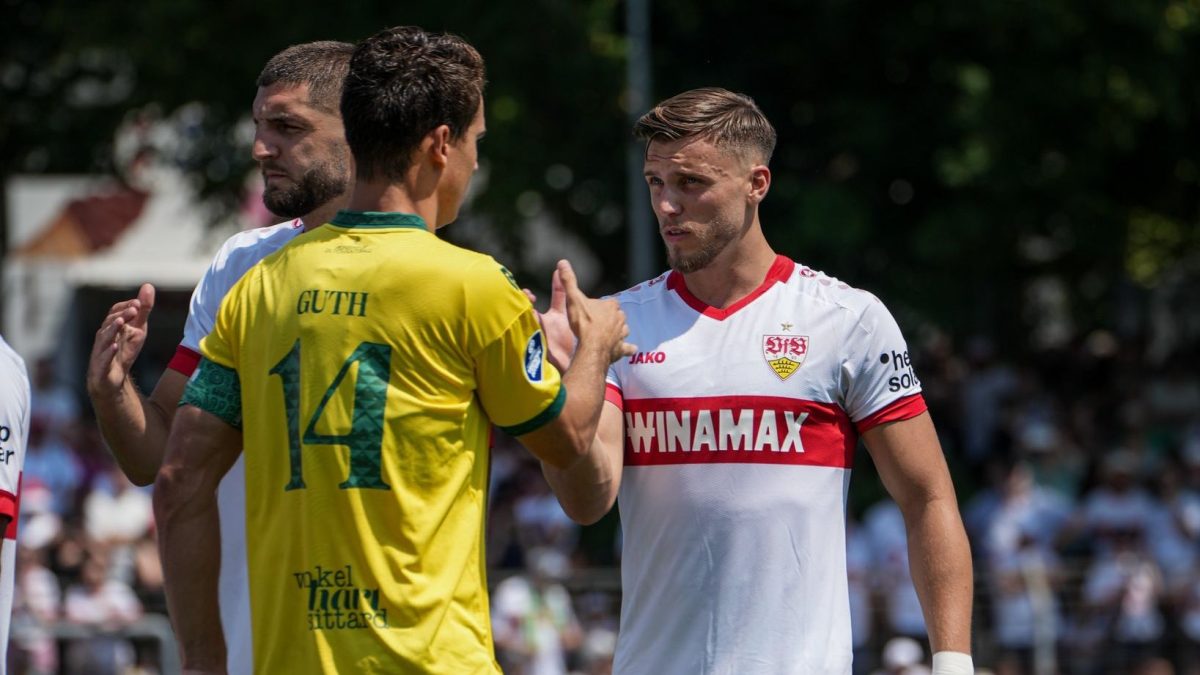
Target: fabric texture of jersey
[
  {"x": 372, "y": 356},
  {"x": 14, "y": 439},
  {"x": 238, "y": 254},
  {"x": 740, "y": 430}
]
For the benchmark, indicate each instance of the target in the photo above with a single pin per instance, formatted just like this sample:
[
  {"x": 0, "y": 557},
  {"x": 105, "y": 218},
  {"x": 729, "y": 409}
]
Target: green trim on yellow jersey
[
  {"x": 378, "y": 219},
  {"x": 541, "y": 419},
  {"x": 216, "y": 389}
]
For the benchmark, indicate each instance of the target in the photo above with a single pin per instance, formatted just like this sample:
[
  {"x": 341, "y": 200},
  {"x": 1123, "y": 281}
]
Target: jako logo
[{"x": 648, "y": 357}]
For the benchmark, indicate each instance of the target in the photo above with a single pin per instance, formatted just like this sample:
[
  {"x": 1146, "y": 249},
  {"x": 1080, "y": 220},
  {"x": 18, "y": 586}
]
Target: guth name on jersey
[{"x": 319, "y": 301}]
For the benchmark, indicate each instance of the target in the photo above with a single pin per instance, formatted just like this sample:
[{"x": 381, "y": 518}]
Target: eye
[{"x": 654, "y": 181}]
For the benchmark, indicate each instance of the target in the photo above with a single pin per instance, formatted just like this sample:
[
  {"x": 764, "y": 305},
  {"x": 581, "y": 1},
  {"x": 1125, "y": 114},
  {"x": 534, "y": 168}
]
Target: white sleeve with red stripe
[
  {"x": 878, "y": 381},
  {"x": 237, "y": 255},
  {"x": 14, "y": 431}
]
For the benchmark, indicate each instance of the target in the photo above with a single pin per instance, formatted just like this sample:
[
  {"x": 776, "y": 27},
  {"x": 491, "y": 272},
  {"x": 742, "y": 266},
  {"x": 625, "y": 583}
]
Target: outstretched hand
[
  {"x": 598, "y": 324},
  {"x": 118, "y": 343}
]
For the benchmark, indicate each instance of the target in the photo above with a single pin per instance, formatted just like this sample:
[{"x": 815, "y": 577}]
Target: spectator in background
[
  {"x": 533, "y": 620},
  {"x": 1025, "y": 510},
  {"x": 860, "y": 570},
  {"x": 53, "y": 464},
  {"x": 35, "y": 611},
  {"x": 1025, "y": 611},
  {"x": 52, "y": 403},
  {"x": 107, "y": 605},
  {"x": 985, "y": 390},
  {"x": 1121, "y": 595}
]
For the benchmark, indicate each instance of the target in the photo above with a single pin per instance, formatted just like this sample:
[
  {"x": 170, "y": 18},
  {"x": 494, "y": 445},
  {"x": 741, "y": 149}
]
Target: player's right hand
[
  {"x": 118, "y": 342},
  {"x": 597, "y": 324}
]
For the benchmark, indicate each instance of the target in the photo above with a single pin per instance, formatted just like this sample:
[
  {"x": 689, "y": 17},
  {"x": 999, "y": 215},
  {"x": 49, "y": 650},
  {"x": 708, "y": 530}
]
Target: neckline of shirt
[
  {"x": 779, "y": 272},
  {"x": 378, "y": 219}
]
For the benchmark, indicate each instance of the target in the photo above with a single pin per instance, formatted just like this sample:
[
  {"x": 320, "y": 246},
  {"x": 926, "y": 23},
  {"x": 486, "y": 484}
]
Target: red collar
[{"x": 780, "y": 271}]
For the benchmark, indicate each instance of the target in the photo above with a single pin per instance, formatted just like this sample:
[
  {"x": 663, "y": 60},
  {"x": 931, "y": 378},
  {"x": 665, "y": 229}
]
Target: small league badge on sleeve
[{"x": 533, "y": 358}]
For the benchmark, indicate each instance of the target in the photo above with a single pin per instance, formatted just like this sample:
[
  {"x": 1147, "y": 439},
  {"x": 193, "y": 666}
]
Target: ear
[
  {"x": 437, "y": 144},
  {"x": 760, "y": 183}
]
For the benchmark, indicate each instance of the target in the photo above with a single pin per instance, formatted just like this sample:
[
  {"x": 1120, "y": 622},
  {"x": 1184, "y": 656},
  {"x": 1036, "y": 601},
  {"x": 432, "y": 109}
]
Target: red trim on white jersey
[
  {"x": 185, "y": 361},
  {"x": 737, "y": 430},
  {"x": 903, "y": 408},
  {"x": 612, "y": 394},
  {"x": 10, "y": 505},
  {"x": 779, "y": 272}
]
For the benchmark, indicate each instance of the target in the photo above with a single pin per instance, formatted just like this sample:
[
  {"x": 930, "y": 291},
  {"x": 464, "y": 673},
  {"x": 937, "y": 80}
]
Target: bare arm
[
  {"x": 200, "y": 450},
  {"x": 588, "y": 488},
  {"x": 910, "y": 462},
  {"x": 135, "y": 426},
  {"x": 567, "y": 444}
]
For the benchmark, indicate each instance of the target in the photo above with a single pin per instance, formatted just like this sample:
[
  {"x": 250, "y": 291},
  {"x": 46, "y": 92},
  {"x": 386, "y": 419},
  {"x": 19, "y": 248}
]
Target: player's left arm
[
  {"x": 910, "y": 462},
  {"x": 201, "y": 448}
]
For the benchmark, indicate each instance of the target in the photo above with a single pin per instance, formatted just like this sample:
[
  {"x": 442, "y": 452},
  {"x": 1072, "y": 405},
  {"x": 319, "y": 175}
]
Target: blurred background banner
[{"x": 1018, "y": 181}]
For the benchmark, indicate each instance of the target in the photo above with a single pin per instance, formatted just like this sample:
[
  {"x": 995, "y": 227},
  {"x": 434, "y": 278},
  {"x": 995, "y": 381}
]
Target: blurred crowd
[{"x": 1079, "y": 481}]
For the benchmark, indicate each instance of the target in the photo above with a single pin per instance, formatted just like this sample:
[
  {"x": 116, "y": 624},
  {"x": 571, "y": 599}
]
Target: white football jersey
[
  {"x": 14, "y": 439},
  {"x": 740, "y": 430},
  {"x": 237, "y": 255}
]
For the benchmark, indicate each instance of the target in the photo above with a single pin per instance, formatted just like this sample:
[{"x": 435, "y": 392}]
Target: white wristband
[{"x": 953, "y": 663}]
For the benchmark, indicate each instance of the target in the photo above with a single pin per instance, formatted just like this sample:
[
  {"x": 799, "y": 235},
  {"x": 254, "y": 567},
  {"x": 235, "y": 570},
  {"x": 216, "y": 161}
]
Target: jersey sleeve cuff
[
  {"x": 8, "y": 504},
  {"x": 541, "y": 419},
  {"x": 217, "y": 390},
  {"x": 184, "y": 361},
  {"x": 612, "y": 394},
  {"x": 902, "y": 408}
]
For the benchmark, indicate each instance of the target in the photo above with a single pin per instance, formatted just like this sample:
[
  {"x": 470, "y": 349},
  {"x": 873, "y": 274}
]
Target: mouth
[{"x": 672, "y": 233}]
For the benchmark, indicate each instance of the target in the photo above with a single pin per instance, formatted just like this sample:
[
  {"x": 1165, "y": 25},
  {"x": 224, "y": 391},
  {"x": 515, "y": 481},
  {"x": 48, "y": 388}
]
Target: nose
[
  {"x": 262, "y": 149},
  {"x": 666, "y": 205}
]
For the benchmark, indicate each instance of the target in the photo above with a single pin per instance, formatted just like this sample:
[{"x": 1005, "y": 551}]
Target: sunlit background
[{"x": 1018, "y": 181}]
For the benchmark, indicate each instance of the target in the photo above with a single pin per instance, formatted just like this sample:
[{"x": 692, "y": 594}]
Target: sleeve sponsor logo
[
  {"x": 903, "y": 377},
  {"x": 5, "y": 453},
  {"x": 785, "y": 353},
  {"x": 648, "y": 357},
  {"x": 511, "y": 279},
  {"x": 533, "y": 358}
]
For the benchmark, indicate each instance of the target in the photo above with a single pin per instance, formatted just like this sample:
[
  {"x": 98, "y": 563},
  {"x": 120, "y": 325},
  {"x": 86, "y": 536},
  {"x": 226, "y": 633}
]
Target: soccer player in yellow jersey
[{"x": 358, "y": 369}]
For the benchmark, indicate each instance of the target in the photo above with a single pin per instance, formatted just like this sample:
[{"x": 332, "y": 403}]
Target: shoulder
[
  {"x": 245, "y": 249},
  {"x": 860, "y": 307},
  {"x": 648, "y": 292}
]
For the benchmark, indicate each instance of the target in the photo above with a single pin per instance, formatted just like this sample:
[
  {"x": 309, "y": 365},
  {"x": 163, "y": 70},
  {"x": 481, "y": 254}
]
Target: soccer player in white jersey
[
  {"x": 730, "y": 435},
  {"x": 14, "y": 438},
  {"x": 301, "y": 150}
]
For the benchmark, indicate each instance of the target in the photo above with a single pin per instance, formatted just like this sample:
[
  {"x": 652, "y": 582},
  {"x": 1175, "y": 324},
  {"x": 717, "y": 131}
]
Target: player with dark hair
[
  {"x": 730, "y": 437},
  {"x": 306, "y": 167},
  {"x": 357, "y": 373}
]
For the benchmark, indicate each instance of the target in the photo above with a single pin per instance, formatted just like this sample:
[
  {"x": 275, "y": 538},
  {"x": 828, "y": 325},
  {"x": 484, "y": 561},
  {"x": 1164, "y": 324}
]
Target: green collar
[{"x": 378, "y": 219}]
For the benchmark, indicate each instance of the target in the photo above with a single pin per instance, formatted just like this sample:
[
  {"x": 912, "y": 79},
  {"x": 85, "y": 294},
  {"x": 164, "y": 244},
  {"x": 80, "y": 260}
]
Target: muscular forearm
[
  {"x": 190, "y": 548},
  {"x": 586, "y": 489},
  {"x": 135, "y": 428},
  {"x": 940, "y": 558}
]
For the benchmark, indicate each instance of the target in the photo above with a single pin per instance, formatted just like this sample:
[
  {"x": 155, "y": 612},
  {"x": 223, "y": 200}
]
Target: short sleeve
[
  {"x": 879, "y": 382},
  {"x": 221, "y": 344},
  {"x": 519, "y": 389}
]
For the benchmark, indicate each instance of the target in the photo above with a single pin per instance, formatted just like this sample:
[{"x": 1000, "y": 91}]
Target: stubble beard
[
  {"x": 720, "y": 233},
  {"x": 319, "y": 185}
]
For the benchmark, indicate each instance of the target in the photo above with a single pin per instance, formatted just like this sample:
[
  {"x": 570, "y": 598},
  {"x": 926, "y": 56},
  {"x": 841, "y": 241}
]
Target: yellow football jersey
[{"x": 371, "y": 356}]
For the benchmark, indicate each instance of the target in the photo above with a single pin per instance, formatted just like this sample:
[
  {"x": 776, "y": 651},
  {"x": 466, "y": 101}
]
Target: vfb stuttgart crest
[{"x": 785, "y": 353}]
